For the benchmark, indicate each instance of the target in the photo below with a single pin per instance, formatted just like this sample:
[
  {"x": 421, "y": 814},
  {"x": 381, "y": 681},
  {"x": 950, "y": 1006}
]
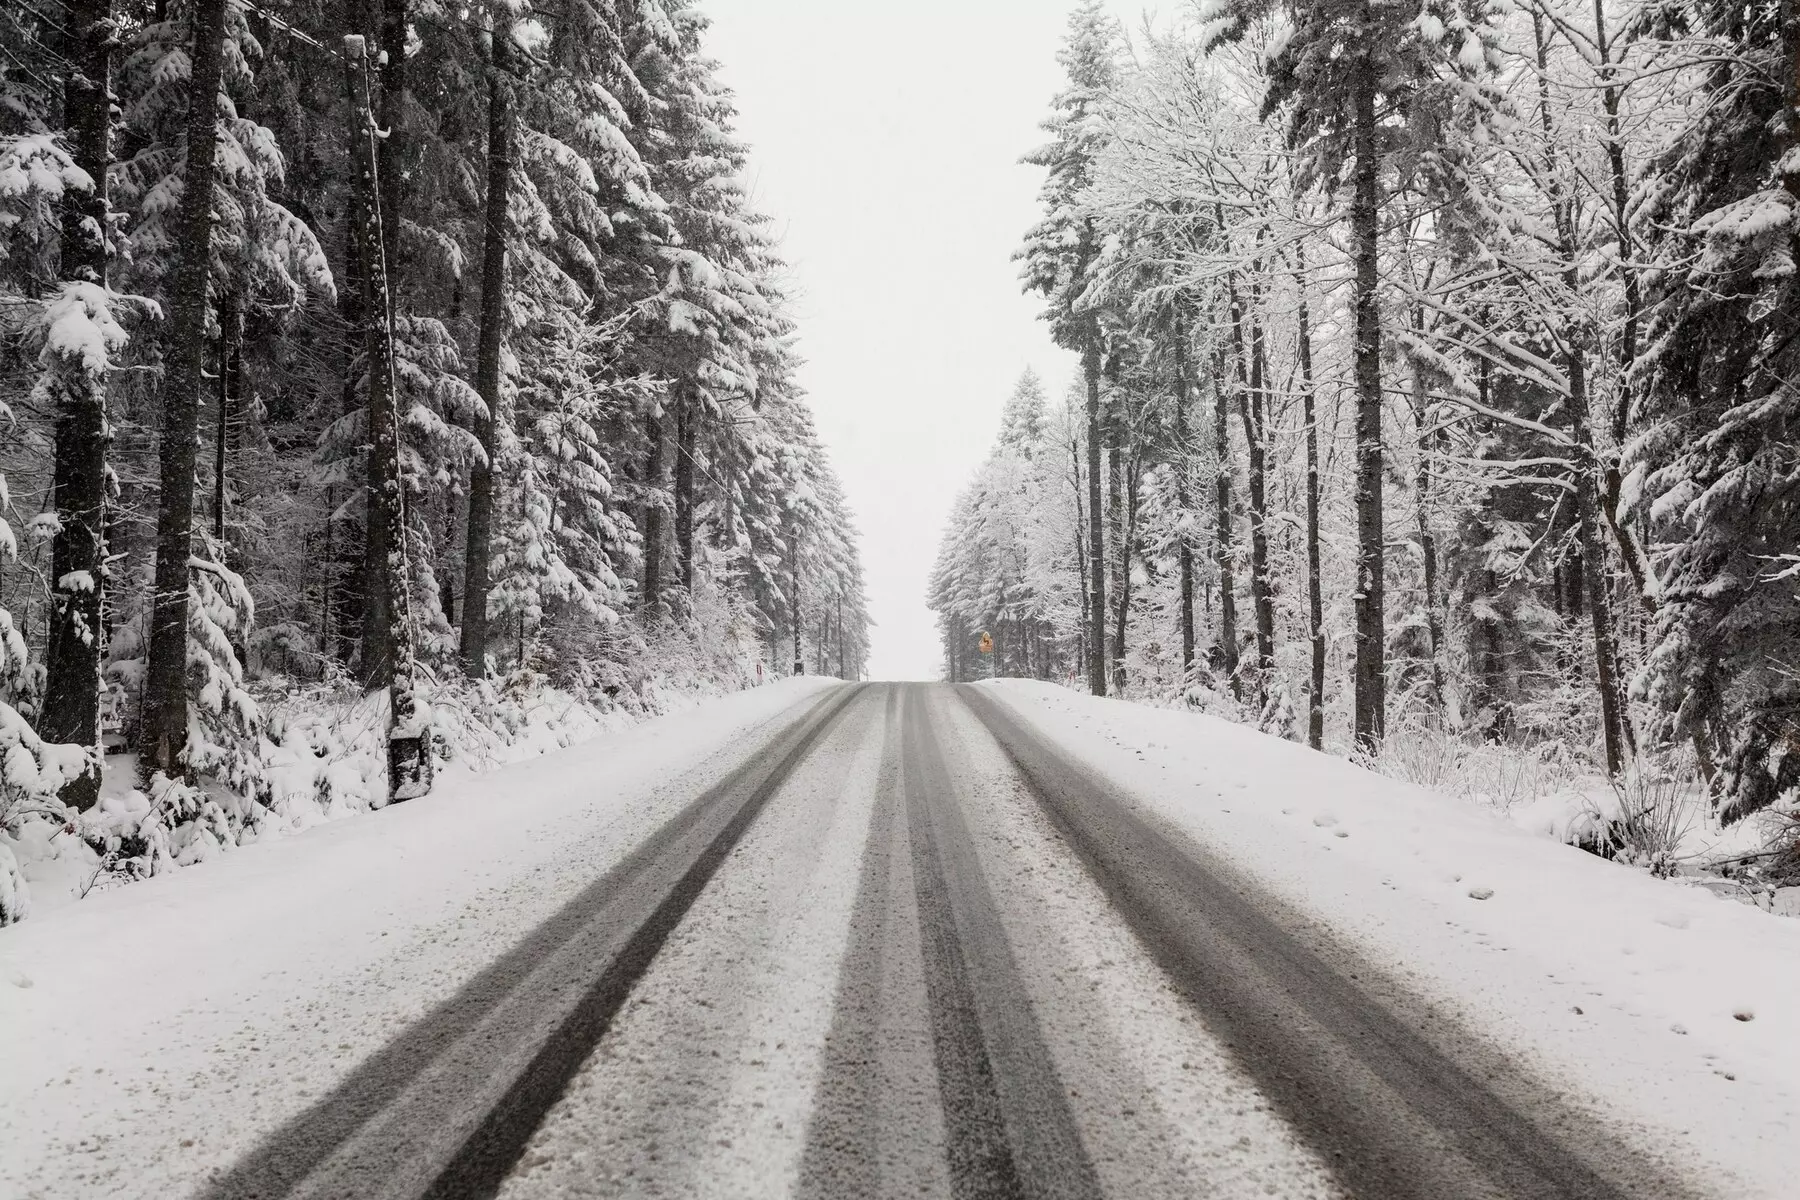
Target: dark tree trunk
[
  {"x": 347, "y": 580},
  {"x": 73, "y": 680},
  {"x": 1228, "y": 637},
  {"x": 1083, "y": 627},
  {"x": 165, "y": 701},
  {"x": 231, "y": 386},
  {"x": 1614, "y": 722},
  {"x": 1315, "y": 592},
  {"x": 794, "y": 591},
  {"x": 1131, "y": 474},
  {"x": 1434, "y": 617},
  {"x": 685, "y": 440},
  {"x": 724, "y": 530},
  {"x": 1183, "y": 497},
  {"x": 1371, "y": 558},
  {"x": 1575, "y": 572},
  {"x": 1790, "y": 139},
  {"x": 1090, "y": 369},
  {"x": 1588, "y": 484},
  {"x": 653, "y": 523},
  {"x": 1631, "y": 551},
  {"x": 1115, "y": 528},
  {"x": 1487, "y": 658},
  {"x": 478, "y": 543},
  {"x": 1489, "y": 662},
  {"x": 1251, "y": 409}
]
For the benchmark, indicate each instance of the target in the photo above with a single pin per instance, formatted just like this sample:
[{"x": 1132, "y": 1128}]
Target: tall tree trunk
[
  {"x": 409, "y": 754},
  {"x": 1790, "y": 140},
  {"x": 1251, "y": 406},
  {"x": 165, "y": 699},
  {"x": 1485, "y": 657},
  {"x": 1434, "y": 619},
  {"x": 1315, "y": 592},
  {"x": 231, "y": 384},
  {"x": 1790, "y": 180},
  {"x": 1631, "y": 551},
  {"x": 1132, "y": 474},
  {"x": 685, "y": 413},
  {"x": 1115, "y": 528},
  {"x": 348, "y": 579},
  {"x": 73, "y": 681},
  {"x": 1183, "y": 496},
  {"x": 1090, "y": 370},
  {"x": 1371, "y": 557},
  {"x": 1228, "y": 638},
  {"x": 725, "y": 530},
  {"x": 1083, "y": 627},
  {"x": 477, "y": 553},
  {"x": 1489, "y": 664},
  {"x": 651, "y": 596},
  {"x": 1613, "y": 719},
  {"x": 450, "y": 590},
  {"x": 1588, "y": 485},
  {"x": 793, "y": 542}
]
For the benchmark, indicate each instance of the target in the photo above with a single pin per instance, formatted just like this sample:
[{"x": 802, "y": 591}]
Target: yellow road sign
[{"x": 987, "y": 644}]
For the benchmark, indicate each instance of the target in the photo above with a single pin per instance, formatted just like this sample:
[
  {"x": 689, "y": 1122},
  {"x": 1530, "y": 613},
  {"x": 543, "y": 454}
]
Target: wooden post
[{"x": 409, "y": 756}]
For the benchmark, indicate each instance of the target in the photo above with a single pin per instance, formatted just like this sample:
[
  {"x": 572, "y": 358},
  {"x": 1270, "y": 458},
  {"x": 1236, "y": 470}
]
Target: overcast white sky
[{"x": 885, "y": 141}]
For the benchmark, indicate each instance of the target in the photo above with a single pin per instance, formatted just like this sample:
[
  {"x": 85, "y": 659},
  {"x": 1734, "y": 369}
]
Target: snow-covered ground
[
  {"x": 1666, "y": 1008},
  {"x": 152, "y": 1032}
]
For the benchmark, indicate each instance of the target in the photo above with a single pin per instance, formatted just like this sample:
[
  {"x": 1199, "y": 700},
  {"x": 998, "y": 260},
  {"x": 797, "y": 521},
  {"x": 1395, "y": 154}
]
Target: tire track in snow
[
  {"x": 1010, "y": 1130},
  {"x": 877, "y": 1127},
  {"x": 444, "y": 1110},
  {"x": 926, "y": 936},
  {"x": 1163, "y": 1108},
  {"x": 1394, "y": 1117}
]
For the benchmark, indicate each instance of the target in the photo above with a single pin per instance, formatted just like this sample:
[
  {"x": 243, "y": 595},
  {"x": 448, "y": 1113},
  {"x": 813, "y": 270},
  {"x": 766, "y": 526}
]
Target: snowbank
[
  {"x": 155, "y": 1031},
  {"x": 319, "y": 757},
  {"x": 1672, "y": 1010}
]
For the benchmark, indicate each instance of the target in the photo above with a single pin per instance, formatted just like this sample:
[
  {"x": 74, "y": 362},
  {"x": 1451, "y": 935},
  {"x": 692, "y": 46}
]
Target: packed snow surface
[
  {"x": 1668, "y": 1010},
  {"x": 154, "y": 1032}
]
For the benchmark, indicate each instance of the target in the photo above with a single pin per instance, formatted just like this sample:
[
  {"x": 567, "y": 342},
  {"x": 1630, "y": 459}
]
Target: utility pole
[{"x": 409, "y": 756}]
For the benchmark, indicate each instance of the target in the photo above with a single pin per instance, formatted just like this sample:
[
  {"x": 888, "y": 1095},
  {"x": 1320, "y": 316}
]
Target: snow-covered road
[{"x": 885, "y": 940}]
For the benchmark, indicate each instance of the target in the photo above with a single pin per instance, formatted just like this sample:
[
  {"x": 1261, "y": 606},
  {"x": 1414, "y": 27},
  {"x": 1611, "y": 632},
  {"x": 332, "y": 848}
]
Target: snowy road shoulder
[
  {"x": 214, "y": 1003},
  {"x": 1667, "y": 1009}
]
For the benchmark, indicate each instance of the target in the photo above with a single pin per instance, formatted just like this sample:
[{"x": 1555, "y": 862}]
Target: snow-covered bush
[
  {"x": 1655, "y": 813},
  {"x": 15, "y": 896}
]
